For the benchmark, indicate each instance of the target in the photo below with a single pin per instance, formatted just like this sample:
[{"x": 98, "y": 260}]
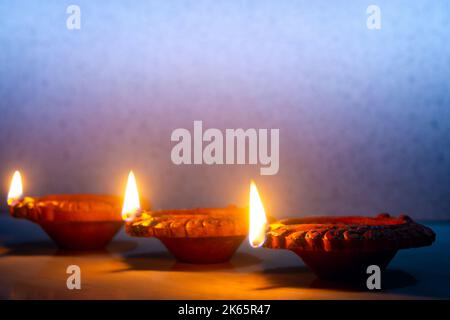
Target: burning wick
[
  {"x": 15, "y": 193},
  {"x": 258, "y": 220},
  {"x": 131, "y": 205}
]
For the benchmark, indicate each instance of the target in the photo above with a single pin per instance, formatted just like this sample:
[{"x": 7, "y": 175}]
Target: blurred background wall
[{"x": 364, "y": 115}]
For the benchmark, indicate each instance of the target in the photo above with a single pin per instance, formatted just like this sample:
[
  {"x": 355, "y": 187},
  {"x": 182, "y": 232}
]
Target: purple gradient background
[{"x": 364, "y": 116}]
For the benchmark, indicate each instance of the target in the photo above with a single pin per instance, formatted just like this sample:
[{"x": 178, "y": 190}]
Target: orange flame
[
  {"x": 258, "y": 220},
  {"x": 131, "y": 204},
  {"x": 16, "y": 188}
]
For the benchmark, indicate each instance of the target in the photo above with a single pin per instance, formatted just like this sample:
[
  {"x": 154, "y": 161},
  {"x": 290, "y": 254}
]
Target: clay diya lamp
[
  {"x": 74, "y": 222},
  {"x": 201, "y": 236},
  {"x": 343, "y": 247}
]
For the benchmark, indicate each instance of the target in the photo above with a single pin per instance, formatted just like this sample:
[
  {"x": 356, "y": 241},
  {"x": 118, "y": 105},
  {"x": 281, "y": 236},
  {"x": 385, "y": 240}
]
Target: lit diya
[
  {"x": 75, "y": 222},
  {"x": 204, "y": 235},
  {"x": 343, "y": 247}
]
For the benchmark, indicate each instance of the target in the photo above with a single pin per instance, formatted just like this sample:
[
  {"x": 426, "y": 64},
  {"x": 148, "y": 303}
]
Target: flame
[
  {"x": 16, "y": 188},
  {"x": 131, "y": 204},
  {"x": 258, "y": 220}
]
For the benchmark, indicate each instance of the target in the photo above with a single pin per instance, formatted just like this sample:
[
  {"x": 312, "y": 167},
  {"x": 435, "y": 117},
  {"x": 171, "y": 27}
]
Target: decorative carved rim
[
  {"x": 190, "y": 223},
  {"x": 380, "y": 233},
  {"x": 69, "y": 208}
]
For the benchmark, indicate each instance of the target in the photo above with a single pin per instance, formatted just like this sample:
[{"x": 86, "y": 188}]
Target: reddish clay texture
[
  {"x": 202, "y": 235},
  {"x": 74, "y": 222},
  {"x": 343, "y": 247}
]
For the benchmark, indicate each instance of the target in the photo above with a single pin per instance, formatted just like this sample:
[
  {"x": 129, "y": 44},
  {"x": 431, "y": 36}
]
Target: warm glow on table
[{"x": 142, "y": 269}]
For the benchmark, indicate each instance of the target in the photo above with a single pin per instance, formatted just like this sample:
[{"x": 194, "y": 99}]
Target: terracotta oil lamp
[
  {"x": 342, "y": 248},
  {"x": 202, "y": 236},
  {"x": 338, "y": 248},
  {"x": 74, "y": 222}
]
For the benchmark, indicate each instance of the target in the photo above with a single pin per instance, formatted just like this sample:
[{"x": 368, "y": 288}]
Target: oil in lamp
[
  {"x": 202, "y": 235},
  {"x": 75, "y": 222}
]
